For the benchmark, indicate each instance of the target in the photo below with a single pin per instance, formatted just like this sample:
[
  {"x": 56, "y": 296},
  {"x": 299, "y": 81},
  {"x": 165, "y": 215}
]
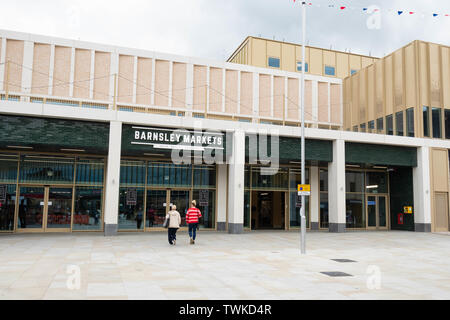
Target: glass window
[
  {"x": 7, "y": 209},
  {"x": 247, "y": 209},
  {"x": 204, "y": 176},
  {"x": 410, "y": 122},
  {"x": 88, "y": 208},
  {"x": 362, "y": 127},
  {"x": 380, "y": 127},
  {"x": 376, "y": 182},
  {"x": 296, "y": 178},
  {"x": 299, "y": 66},
  {"x": 324, "y": 210},
  {"x": 330, "y": 71},
  {"x": 247, "y": 177},
  {"x": 447, "y": 124},
  {"x": 269, "y": 181},
  {"x": 353, "y": 71},
  {"x": 132, "y": 173},
  {"x": 323, "y": 180},
  {"x": 131, "y": 209},
  {"x": 371, "y": 126},
  {"x": 389, "y": 125},
  {"x": 399, "y": 123},
  {"x": 354, "y": 181},
  {"x": 355, "y": 211},
  {"x": 169, "y": 175},
  {"x": 46, "y": 170},
  {"x": 90, "y": 172},
  {"x": 436, "y": 119},
  {"x": 426, "y": 121},
  {"x": 355, "y": 129},
  {"x": 274, "y": 62},
  {"x": 8, "y": 168}
]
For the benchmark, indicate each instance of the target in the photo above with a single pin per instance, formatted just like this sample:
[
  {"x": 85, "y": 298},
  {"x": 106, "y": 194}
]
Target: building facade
[
  {"x": 89, "y": 133},
  {"x": 287, "y": 56}
]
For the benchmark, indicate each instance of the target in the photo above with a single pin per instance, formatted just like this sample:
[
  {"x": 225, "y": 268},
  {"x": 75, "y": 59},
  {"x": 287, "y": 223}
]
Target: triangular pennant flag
[
  {"x": 411, "y": 12},
  {"x": 364, "y": 9},
  {"x": 435, "y": 14},
  {"x": 342, "y": 8},
  {"x": 400, "y": 12}
]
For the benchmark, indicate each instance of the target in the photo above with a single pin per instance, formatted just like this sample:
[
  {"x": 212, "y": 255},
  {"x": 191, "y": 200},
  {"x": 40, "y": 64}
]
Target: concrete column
[
  {"x": 314, "y": 198},
  {"x": 422, "y": 191},
  {"x": 113, "y": 178},
  {"x": 336, "y": 188},
  {"x": 255, "y": 97},
  {"x": 27, "y": 70},
  {"x": 221, "y": 197},
  {"x": 236, "y": 175}
]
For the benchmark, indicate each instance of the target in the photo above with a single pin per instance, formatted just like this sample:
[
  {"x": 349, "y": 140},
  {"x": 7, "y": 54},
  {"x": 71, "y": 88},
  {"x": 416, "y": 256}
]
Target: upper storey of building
[
  {"x": 64, "y": 72},
  {"x": 274, "y": 54},
  {"x": 407, "y": 93}
]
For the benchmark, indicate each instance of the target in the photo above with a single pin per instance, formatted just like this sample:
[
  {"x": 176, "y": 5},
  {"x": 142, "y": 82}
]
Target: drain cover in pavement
[
  {"x": 343, "y": 260},
  {"x": 337, "y": 274}
]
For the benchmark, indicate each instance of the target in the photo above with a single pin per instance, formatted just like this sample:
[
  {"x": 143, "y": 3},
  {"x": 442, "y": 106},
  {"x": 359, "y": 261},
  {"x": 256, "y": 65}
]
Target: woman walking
[
  {"x": 174, "y": 224},
  {"x": 192, "y": 216}
]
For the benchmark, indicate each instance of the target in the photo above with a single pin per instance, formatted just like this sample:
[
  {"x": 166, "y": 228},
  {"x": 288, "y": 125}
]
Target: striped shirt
[{"x": 192, "y": 215}]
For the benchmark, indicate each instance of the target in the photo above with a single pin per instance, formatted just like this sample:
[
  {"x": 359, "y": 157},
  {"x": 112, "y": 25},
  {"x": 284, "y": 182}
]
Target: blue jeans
[{"x": 192, "y": 230}]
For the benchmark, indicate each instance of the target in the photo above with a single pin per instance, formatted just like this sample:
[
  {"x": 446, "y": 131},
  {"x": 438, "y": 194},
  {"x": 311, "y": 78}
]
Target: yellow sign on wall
[
  {"x": 304, "y": 189},
  {"x": 407, "y": 209}
]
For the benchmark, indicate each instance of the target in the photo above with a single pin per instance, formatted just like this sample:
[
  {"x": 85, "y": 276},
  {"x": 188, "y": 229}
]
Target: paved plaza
[{"x": 253, "y": 265}]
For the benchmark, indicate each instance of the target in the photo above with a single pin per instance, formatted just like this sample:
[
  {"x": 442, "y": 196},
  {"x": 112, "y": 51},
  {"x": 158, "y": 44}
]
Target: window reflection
[{"x": 88, "y": 208}]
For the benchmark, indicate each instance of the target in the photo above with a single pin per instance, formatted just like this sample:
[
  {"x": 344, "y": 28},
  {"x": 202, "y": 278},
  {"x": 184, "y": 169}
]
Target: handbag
[{"x": 166, "y": 222}]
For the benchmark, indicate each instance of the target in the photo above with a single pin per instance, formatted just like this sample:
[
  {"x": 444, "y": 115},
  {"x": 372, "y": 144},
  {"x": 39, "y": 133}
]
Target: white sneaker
[{"x": 174, "y": 242}]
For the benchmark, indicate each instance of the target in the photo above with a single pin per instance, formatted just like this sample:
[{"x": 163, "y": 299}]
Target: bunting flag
[{"x": 397, "y": 12}]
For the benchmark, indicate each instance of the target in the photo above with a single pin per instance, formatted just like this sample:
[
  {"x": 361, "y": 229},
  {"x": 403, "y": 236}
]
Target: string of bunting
[{"x": 398, "y": 12}]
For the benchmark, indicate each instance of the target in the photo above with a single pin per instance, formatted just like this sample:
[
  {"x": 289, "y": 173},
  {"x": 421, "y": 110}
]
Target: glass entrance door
[
  {"x": 156, "y": 208},
  {"x": 377, "y": 213},
  {"x": 44, "y": 209},
  {"x": 180, "y": 198}
]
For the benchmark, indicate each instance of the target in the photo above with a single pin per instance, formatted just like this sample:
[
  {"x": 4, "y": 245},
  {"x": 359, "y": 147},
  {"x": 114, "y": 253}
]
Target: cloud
[{"x": 214, "y": 29}]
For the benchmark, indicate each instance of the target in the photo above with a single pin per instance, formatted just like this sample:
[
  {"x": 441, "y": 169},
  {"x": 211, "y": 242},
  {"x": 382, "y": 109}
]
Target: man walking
[{"x": 192, "y": 216}]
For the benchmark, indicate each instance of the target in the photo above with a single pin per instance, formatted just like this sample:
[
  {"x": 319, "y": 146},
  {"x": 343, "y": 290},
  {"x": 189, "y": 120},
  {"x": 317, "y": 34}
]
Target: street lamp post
[{"x": 302, "y": 208}]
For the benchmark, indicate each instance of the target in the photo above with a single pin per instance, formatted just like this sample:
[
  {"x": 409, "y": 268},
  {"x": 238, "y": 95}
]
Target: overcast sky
[{"x": 215, "y": 28}]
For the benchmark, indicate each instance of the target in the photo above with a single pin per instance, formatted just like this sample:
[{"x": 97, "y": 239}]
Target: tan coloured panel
[
  {"x": 335, "y": 97},
  {"x": 365, "y": 62},
  {"x": 246, "y": 93},
  {"x": 1, "y": 42},
  {"x": 273, "y": 50},
  {"x": 363, "y": 96},
  {"x": 199, "y": 87},
  {"x": 144, "y": 81},
  {"x": 126, "y": 75},
  {"x": 293, "y": 103},
  {"x": 445, "y": 52},
  {"x": 179, "y": 85},
  {"x": 82, "y": 73},
  {"x": 329, "y": 58},
  {"x": 347, "y": 103},
  {"x": 298, "y": 54},
  {"x": 389, "y": 86},
  {"x": 342, "y": 70},
  {"x": 102, "y": 75},
  {"x": 355, "y": 100},
  {"x": 435, "y": 76},
  {"x": 265, "y": 93},
  {"x": 61, "y": 73},
  {"x": 278, "y": 97},
  {"x": 162, "y": 83},
  {"x": 231, "y": 90},
  {"x": 14, "y": 54},
  {"x": 441, "y": 213},
  {"x": 379, "y": 91},
  {"x": 323, "y": 102},
  {"x": 410, "y": 71},
  {"x": 215, "y": 96},
  {"x": 355, "y": 62},
  {"x": 308, "y": 100},
  {"x": 316, "y": 65},
  {"x": 440, "y": 170},
  {"x": 423, "y": 76},
  {"x": 259, "y": 57},
  {"x": 288, "y": 61},
  {"x": 398, "y": 80},
  {"x": 41, "y": 68},
  {"x": 370, "y": 93}
]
